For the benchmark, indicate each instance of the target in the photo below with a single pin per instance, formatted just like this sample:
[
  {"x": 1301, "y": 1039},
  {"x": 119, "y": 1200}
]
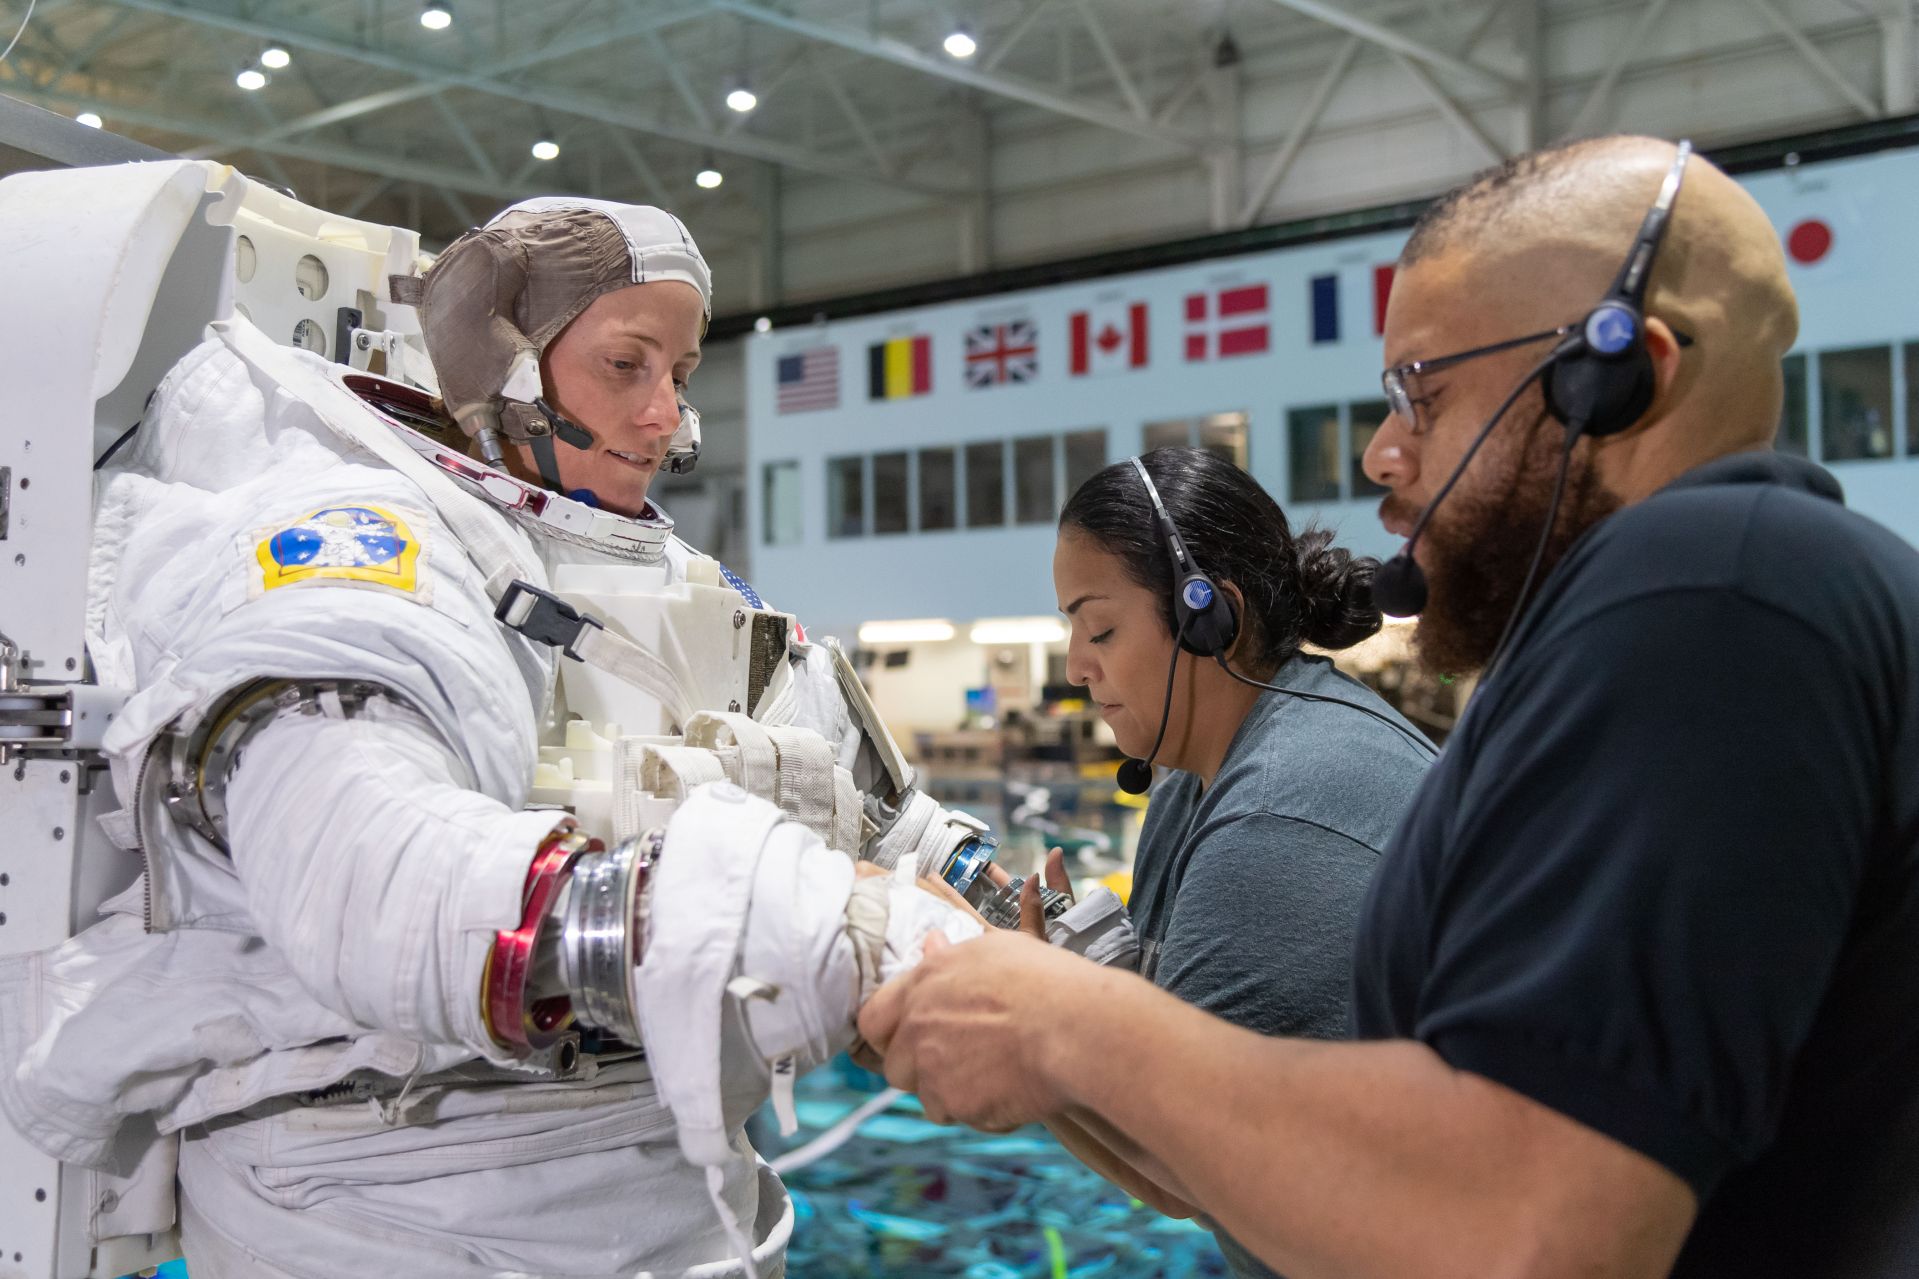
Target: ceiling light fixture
[
  {"x": 436, "y": 17},
  {"x": 89, "y": 119},
  {"x": 546, "y": 149},
  {"x": 251, "y": 79},
  {"x": 994, "y": 631},
  {"x": 930, "y": 630},
  {"x": 742, "y": 99},
  {"x": 274, "y": 58},
  {"x": 709, "y": 176},
  {"x": 961, "y": 44},
  {"x": 763, "y": 325}
]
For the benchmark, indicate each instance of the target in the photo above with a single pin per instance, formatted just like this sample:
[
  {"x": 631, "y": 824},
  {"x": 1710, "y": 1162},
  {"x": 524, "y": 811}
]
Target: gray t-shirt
[{"x": 1246, "y": 894}]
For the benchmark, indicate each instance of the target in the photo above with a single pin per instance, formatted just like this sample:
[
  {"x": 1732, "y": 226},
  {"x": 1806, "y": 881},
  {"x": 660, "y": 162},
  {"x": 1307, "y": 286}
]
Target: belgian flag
[{"x": 900, "y": 368}]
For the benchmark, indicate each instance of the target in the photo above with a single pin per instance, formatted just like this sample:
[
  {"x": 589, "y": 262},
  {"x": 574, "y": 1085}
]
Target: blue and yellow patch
[{"x": 366, "y": 544}]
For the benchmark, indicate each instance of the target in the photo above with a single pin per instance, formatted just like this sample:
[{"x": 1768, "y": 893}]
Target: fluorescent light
[
  {"x": 436, "y": 17},
  {"x": 961, "y": 43},
  {"x": 250, "y": 79},
  {"x": 920, "y": 631},
  {"x": 545, "y": 149},
  {"x": 709, "y": 177},
  {"x": 742, "y": 100},
  {"x": 89, "y": 119},
  {"x": 992, "y": 631},
  {"x": 275, "y": 58},
  {"x": 762, "y": 325}
]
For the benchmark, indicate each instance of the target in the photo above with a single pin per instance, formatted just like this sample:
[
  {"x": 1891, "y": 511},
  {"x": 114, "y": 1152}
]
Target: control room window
[
  {"x": 1221, "y": 434},
  {"x": 1912, "y": 398},
  {"x": 845, "y": 496},
  {"x": 1034, "y": 498},
  {"x": 1792, "y": 436},
  {"x": 781, "y": 511},
  {"x": 1367, "y": 415},
  {"x": 937, "y": 505},
  {"x": 1855, "y": 403},
  {"x": 890, "y": 494},
  {"x": 1085, "y": 458},
  {"x": 1312, "y": 452},
  {"x": 986, "y": 485}
]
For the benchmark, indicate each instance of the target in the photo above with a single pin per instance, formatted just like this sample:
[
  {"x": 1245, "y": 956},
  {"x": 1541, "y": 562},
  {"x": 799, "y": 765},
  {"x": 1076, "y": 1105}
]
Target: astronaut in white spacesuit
[{"x": 394, "y": 1016}]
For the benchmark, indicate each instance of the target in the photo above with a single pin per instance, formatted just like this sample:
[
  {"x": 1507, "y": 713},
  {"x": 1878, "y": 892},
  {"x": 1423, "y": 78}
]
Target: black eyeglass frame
[{"x": 1392, "y": 381}]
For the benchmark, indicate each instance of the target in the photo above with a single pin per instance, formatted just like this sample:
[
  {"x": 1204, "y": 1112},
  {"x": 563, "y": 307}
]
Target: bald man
[{"x": 1638, "y": 980}]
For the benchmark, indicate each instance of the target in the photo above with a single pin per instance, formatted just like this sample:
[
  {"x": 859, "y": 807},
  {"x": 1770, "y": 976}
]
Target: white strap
[
  {"x": 759, "y": 759},
  {"x": 715, "y": 1184},
  {"x": 647, "y": 671},
  {"x": 785, "y": 1070},
  {"x": 806, "y": 778},
  {"x": 642, "y": 768},
  {"x": 849, "y": 814}
]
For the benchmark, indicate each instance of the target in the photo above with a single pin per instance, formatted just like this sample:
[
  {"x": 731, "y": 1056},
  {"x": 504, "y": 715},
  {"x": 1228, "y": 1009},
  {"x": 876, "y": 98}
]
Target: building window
[
  {"x": 1085, "y": 458},
  {"x": 891, "y": 494},
  {"x": 1312, "y": 453},
  {"x": 1034, "y": 498},
  {"x": 845, "y": 496},
  {"x": 781, "y": 509},
  {"x": 1792, "y": 436},
  {"x": 1855, "y": 403},
  {"x": 986, "y": 485},
  {"x": 1367, "y": 415},
  {"x": 937, "y": 498},
  {"x": 1912, "y": 398},
  {"x": 1221, "y": 434}
]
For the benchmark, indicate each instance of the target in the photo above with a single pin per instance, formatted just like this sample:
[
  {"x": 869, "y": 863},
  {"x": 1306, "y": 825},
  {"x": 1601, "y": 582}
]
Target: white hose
[{"x": 836, "y": 1136}]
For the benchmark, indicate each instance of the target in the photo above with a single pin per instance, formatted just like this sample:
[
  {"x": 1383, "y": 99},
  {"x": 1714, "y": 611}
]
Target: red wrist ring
[{"x": 521, "y": 1027}]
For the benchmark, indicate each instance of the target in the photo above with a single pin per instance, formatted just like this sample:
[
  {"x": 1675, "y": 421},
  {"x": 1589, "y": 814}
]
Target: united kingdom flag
[{"x": 997, "y": 354}]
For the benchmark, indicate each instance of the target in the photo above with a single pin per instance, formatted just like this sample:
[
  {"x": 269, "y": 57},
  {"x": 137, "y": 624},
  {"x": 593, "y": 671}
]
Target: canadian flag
[
  {"x": 1228, "y": 322},
  {"x": 1109, "y": 338}
]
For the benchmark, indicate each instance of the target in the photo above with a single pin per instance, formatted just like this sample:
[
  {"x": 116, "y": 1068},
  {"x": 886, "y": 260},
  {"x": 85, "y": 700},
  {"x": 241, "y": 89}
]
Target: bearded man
[{"x": 1637, "y": 985}]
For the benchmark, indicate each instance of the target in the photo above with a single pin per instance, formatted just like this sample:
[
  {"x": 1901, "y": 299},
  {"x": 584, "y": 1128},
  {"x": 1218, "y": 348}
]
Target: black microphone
[
  {"x": 1136, "y": 775},
  {"x": 1399, "y": 585}
]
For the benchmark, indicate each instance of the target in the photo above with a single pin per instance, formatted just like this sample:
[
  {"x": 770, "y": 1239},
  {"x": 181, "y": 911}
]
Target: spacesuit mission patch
[{"x": 364, "y": 545}]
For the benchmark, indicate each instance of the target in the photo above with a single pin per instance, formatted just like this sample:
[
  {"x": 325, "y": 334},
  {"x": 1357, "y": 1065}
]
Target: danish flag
[
  {"x": 1109, "y": 339},
  {"x": 1226, "y": 322}
]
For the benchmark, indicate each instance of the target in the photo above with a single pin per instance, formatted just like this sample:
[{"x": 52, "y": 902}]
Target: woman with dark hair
[{"x": 1257, "y": 849}]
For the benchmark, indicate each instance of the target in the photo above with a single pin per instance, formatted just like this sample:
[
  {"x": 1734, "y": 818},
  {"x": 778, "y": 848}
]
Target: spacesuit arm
[{"x": 371, "y": 865}]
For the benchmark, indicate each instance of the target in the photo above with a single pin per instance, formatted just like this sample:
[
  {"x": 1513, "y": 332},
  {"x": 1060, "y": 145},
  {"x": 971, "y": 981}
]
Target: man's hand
[{"x": 971, "y": 1029}]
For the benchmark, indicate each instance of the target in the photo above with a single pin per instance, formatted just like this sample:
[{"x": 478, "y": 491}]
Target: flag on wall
[
  {"x": 900, "y": 367},
  {"x": 1324, "y": 290},
  {"x": 1109, "y": 338},
  {"x": 1222, "y": 323},
  {"x": 1382, "y": 293},
  {"x": 808, "y": 380},
  {"x": 997, "y": 354}
]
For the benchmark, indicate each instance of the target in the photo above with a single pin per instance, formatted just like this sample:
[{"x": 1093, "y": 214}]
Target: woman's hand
[{"x": 1032, "y": 911}]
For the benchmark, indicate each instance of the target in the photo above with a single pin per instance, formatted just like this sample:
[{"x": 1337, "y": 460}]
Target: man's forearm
[
  {"x": 1361, "y": 1159},
  {"x": 1077, "y": 1133}
]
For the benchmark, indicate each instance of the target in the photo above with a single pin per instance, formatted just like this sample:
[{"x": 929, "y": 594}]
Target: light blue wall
[{"x": 1865, "y": 291}]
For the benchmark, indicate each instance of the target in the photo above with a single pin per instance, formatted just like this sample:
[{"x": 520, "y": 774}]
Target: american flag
[
  {"x": 1001, "y": 353},
  {"x": 809, "y": 380}
]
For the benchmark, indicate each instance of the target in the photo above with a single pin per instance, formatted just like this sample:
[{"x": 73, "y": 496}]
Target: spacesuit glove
[{"x": 925, "y": 836}]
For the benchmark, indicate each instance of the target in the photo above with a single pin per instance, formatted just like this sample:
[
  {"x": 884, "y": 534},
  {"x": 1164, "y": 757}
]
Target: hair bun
[{"x": 1335, "y": 592}]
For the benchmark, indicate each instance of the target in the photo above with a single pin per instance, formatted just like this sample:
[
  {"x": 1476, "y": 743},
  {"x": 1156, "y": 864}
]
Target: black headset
[
  {"x": 1602, "y": 383},
  {"x": 1206, "y": 626},
  {"x": 1598, "y": 381}
]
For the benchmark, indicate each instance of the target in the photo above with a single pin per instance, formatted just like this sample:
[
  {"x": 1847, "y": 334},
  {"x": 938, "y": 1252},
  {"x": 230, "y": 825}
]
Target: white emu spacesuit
[{"x": 395, "y": 1020}]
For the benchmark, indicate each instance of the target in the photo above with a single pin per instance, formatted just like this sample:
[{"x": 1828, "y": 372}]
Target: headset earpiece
[
  {"x": 1205, "y": 616},
  {"x": 1605, "y": 382}
]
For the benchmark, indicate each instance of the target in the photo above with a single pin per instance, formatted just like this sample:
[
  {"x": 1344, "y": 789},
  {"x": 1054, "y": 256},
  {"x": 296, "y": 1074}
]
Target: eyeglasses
[{"x": 1400, "y": 382}]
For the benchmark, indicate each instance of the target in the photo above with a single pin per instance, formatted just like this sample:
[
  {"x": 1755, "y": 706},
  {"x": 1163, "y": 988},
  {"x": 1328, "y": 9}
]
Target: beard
[{"x": 1480, "y": 544}]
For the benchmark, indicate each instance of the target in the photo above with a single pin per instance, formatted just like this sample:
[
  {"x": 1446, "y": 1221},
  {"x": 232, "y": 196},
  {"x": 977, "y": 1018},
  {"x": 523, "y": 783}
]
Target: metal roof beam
[
  {"x": 899, "y": 53},
  {"x": 1387, "y": 38},
  {"x": 1818, "y": 61},
  {"x": 1302, "y": 129},
  {"x": 602, "y": 110}
]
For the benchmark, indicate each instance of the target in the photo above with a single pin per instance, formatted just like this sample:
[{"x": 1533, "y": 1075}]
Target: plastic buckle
[{"x": 543, "y": 617}]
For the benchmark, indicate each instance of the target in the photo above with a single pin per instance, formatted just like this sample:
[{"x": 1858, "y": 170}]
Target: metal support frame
[
  {"x": 1398, "y": 42},
  {"x": 1896, "y": 48},
  {"x": 1302, "y": 129},
  {"x": 1818, "y": 61},
  {"x": 902, "y": 54},
  {"x": 1455, "y": 114},
  {"x": 1110, "y": 55},
  {"x": 1590, "y": 111}
]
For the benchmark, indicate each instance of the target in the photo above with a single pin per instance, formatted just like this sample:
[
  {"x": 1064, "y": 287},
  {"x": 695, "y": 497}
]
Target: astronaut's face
[
  {"x": 1119, "y": 647},
  {"x": 618, "y": 370}
]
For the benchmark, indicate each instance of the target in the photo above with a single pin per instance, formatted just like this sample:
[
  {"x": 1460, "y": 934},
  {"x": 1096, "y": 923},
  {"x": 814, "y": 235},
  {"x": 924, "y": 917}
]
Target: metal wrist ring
[
  {"x": 604, "y": 933},
  {"x": 526, "y": 1029}
]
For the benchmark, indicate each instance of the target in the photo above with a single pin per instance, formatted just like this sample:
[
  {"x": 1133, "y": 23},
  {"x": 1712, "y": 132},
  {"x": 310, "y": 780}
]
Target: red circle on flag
[{"x": 1809, "y": 241}]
